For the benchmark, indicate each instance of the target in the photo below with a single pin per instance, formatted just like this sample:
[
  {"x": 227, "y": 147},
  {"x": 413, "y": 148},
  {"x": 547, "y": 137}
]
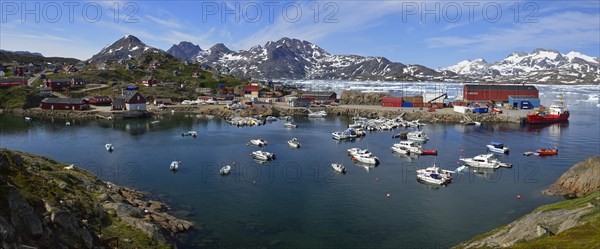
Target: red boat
[
  {"x": 557, "y": 113},
  {"x": 429, "y": 152},
  {"x": 547, "y": 152}
]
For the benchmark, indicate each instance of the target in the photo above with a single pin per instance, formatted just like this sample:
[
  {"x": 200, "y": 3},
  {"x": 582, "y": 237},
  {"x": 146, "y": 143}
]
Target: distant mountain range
[
  {"x": 22, "y": 52},
  {"x": 26, "y": 57},
  {"x": 296, "y": 59},
  {"x": 541, "y": 65}
]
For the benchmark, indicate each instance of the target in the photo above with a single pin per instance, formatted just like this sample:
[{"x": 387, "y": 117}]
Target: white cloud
[
  {"x": 563, "y": 30},
  {"x": 171, "y": 23}
]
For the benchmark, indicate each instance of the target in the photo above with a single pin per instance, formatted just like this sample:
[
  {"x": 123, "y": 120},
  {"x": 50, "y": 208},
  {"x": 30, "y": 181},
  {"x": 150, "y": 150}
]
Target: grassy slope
[
  {"x": 583, "y": 236},
  {"x": 41, "y": 182},
  {"x": 27, "y": 58}
]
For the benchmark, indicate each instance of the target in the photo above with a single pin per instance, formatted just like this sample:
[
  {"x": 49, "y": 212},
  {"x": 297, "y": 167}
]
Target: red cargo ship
[{"x": 558, "y": 113}]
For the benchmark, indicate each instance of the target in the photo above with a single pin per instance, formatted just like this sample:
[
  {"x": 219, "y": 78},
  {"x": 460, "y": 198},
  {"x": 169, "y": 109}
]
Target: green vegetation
[
  {"x": 593, "y": 198},
  {"x": 136, "y": 238},
  {"x": 579, "y": 237},
  {"x": 19, "y": 97}
]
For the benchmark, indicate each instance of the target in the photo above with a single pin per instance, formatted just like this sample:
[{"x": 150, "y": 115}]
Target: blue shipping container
[
  {"x": 480, "y": 110},
  {"x": 407, "y": 104}
]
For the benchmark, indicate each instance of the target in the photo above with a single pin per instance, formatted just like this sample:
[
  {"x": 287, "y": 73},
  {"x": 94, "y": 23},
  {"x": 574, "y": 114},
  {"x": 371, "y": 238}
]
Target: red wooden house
[
  {"x": 98, "y": 100},
  {"x": 499, "y": 93},
  {"x": 64, "y": 104},
  {"x": 149, "y": 81},
  {"x": 10, "y": 82}
]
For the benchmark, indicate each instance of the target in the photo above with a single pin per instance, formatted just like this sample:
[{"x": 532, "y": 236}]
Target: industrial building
[{"x": 497, "y": 93}]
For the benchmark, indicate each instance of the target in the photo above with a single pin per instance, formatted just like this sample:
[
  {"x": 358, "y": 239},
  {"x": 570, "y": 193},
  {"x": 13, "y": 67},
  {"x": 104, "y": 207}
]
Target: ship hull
[{"x": 546, "y": 119}]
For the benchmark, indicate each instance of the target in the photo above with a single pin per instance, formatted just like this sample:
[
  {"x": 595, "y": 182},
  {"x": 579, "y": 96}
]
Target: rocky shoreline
[
  {"x": 48, "y": 204},
  {"x": 570, "y": 221},
  {"x": 423, "y": 115}
]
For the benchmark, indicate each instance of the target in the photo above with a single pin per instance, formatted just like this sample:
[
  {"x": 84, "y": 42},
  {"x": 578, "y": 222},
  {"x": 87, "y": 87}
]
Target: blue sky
[{"x": 430, "y": 33}]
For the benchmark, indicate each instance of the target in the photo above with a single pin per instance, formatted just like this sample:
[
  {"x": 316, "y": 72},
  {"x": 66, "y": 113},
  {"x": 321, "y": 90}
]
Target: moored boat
[
  {"x": 174, "y": 165},
  {"x": 432, "y": 178},
  {"x": 429, "y": 152},
  {"x": 497, "y": 147},
  {"x": 338, "y": 168},
  {"x": 557, "y": 113},
  {"x": 417, "y": 136},
  {"x": 259, "y": 142},
  {"x": 108, "y": 147},
  {"x": 445, "y": 174},
  {"x": 225, "y": 170},
  {"x": 294, "y": 143},
  {"x": 319, "y": 114},
  {"x": 484, "y": 161},
  {"x": 290, "y": 124},
  {"x": 189, "y": 133},
  {"x": 547, "y": 152},
  {"x": 262, "y": 155}
]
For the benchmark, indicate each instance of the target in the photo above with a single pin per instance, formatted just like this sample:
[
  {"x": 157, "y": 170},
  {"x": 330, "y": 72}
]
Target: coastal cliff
[
  {"x": 573, "y": 223},
  {"x": 46, "y": 204}
]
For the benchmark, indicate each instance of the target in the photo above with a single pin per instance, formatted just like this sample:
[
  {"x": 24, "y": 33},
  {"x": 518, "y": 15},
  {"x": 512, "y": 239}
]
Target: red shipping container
[
  {"x": 390, "y": 101},
  {"x": 417, "y": 104}
]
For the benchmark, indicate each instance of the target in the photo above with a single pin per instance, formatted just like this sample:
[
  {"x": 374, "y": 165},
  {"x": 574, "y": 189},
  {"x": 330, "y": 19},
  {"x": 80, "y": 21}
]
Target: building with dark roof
[
  {"x": 497, "y": 93},
  {"x": 64, "y": 104}
]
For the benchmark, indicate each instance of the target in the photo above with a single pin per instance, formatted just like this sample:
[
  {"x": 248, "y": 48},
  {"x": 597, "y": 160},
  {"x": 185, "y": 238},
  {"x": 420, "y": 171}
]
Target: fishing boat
[
  {"x": 400, "y": 149},
  {"x": 411, "y": 146},
  {"x": 174, "y": 165},
  {"x": 417, "y": 136},
  {"x": 342, "y": 135},
  {"x": 432, "y": 178},
  {"x": 357, "y": 151},
  {"x": 189, "y": 133},
  {"x": 294, "y": 143},
  {"x": 319, "y": 114},
  {"x": 259, "y": 142},
  {"x": 497, "y": 147},
  {"x": 262, "y": 155},
  {"x": 225, "y": 170},
  {"x": 109, "y": 147},
  {"x": 366, "y": 159},
  {"x": 547, "y": 152},
  {"x": 558, "y": 112},
  {"x": 338, "y": 168},
  {"x": 484, "y": 161},
  {"x": 445, "y": 174},
  {"x": 290, "y": 124},
  {"x": 429, "y": 152}
]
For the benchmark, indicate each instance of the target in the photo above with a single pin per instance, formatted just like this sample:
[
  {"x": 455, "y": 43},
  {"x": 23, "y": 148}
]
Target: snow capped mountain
[
  {"x": 295, "y": 59},
  {"x": 124, "y": 48},
  {"x": 549, "y": 66},
  {"x": 184, "y": 50}
]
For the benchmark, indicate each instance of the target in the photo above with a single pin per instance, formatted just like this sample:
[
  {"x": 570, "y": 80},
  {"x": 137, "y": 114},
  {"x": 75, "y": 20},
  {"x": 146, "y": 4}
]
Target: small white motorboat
[
  {"x": 319, "y": 114},
  {"x": 271, "y": 118},
  {"x": 417, "y": 136},
  {"x": 290, "y": 124},
  {"x": 258, "y": 142},
  {"x": 27, "y": 119},
  {"x": 338, "y": 168},
  {"x": 108, "y": 147},
  {"x": 462, "y": 168},
  {"x": 497, "y": 147},
  {"x": 225, "y": 170},
  {"x": 262, "y": 155},
  {"x": 68, "y": 123},
  {"x": 357, "y": 124},
  {"x": 445, "y": 174},
  {"x": 174, "y": 165},
  {"x": 189, "y": 133},
  {"x": 361, "y": 152},
  {"x": 432, "y": 178},
  {"x": 484, "y": 161},
  {"x": 410, "y": 146},
  {"x": 366, "y": 159},
  {"x": 400, "y": 149},
  {"x": 294, "y": 143}
]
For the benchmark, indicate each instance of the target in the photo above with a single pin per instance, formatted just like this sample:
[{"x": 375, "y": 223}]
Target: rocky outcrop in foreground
[
  {"x": 582, "y": 179},
  {"x": 577, "y": 218},
  {"x": 46, "y": 204}
]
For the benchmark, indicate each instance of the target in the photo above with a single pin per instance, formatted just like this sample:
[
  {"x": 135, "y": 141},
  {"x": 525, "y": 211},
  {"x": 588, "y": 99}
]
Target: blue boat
[{"x": 497, "y": 147}]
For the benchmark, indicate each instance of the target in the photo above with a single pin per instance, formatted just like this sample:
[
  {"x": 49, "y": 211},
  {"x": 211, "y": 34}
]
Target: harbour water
[{"x": 297, "y": 201}]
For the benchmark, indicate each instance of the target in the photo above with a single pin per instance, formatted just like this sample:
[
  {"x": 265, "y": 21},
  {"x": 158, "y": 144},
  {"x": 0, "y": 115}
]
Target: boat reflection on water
[{"x": 553, "y": 129}]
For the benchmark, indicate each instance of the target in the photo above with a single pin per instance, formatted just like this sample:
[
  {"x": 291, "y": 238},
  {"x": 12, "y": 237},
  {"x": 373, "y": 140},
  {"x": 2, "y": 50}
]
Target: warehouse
[
  {"x": 497, "y": 93},
  {"x": 523, "y": 102}
]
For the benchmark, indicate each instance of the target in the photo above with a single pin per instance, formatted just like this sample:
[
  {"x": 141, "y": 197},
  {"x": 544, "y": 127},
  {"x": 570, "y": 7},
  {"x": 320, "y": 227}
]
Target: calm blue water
[{"x": 297, "y": 201}]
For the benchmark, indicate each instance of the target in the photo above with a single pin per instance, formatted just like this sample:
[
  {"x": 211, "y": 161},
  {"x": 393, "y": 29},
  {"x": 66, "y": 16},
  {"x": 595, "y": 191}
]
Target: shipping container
[
  {"x": 407, "y": 104},
  {"x": 390, "y": 101},
  {"x": 417, "y": 99},
  {"x": 480, "y": 110},
  {"x": 463, "y": 109},
  {"x": 418, "y": 104},
  {"x": 523, "y": 102},
  {"x": 477, "y": 92}
]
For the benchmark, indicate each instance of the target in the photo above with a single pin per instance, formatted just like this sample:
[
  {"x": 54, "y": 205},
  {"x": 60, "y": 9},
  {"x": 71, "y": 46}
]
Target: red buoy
[
  {"x": 518, "y": 197},
  {"x": 388, "y": 195}
]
